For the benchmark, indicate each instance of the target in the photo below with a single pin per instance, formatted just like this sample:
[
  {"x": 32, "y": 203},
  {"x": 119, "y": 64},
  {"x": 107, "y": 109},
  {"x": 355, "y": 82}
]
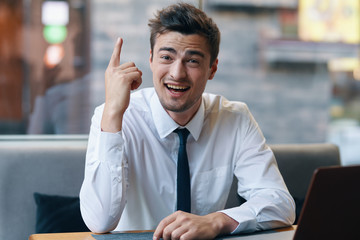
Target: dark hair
[{"x": 186, "y": 19}]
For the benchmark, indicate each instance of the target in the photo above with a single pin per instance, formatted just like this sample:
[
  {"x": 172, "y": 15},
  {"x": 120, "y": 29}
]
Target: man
[{"x": 131, "y": 168}]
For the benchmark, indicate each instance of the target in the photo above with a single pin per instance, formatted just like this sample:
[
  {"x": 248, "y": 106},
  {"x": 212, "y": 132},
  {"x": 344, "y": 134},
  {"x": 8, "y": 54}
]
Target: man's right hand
[{"x": 119, "y": 81}]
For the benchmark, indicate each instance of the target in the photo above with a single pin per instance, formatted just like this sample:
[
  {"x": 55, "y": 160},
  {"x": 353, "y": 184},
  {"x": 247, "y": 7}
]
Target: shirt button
[
  {"x": 119, "y": 148},
  {"x": 118, "y": 179}
]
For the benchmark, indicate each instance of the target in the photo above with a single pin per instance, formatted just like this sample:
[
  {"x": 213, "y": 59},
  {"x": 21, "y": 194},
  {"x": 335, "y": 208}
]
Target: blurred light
[
  {"x": 54, "y": 34},
  {"x": 55, "y": 17},
  {"x": 55, "y": 13},
  {"x": 357, "y": 73},
  {"x": 337, "y": 111},
  {"x": 53, "y": 55},
  {"x": 329, "y": 20},
  {"x": 343, "y": 64}
]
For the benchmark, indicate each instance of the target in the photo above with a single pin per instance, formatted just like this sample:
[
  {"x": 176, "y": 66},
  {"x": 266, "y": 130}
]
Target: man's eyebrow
[
  {"x": 168, "y": 49},
  {"x": 189, "y": 52},
  {"x": 194, "y": 52}
]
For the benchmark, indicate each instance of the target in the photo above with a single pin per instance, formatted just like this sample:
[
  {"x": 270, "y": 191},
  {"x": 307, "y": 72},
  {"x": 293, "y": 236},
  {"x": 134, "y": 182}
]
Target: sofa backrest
[
  {"x": 55, "y": 165},
  {"x": 51, "y": 165},
  {"x": 297, "y": 163}
]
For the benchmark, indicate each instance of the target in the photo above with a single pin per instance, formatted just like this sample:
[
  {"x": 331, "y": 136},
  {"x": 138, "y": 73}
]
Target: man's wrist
[
  {"x": 224, "y": 223},
  {"x": 111, "y": 121}
]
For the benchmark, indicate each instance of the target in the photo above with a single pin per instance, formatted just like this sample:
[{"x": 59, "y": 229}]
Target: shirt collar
[{"x": 165, "y": 124}]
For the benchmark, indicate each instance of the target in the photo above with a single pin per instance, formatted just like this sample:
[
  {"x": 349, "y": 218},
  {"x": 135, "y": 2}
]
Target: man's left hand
[{"x": 182, "y": 225}]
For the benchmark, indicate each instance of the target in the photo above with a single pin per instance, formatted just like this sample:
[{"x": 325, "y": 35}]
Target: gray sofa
[{"x": 54, "y": 165}]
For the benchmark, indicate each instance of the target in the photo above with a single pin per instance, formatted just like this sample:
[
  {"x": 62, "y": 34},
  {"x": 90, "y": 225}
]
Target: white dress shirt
[{"x": 130, "y": 176}]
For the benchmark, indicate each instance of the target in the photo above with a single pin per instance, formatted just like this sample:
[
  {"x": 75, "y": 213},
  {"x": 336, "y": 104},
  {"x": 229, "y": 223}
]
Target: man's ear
[
  {"x": 151, "y": 59},
  {"x": 213, "y": 69}
]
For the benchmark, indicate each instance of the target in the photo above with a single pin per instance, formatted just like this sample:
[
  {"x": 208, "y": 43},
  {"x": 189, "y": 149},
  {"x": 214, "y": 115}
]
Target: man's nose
[{"x": 178, "y": 70}]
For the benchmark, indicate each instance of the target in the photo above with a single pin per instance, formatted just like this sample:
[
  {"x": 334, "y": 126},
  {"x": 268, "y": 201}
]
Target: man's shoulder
[{"x": 218, "y": 103}]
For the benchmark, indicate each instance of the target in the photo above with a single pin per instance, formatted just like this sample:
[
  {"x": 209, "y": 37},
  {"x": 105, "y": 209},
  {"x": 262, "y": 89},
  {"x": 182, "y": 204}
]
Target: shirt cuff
[{"x": 244, "y": 216}]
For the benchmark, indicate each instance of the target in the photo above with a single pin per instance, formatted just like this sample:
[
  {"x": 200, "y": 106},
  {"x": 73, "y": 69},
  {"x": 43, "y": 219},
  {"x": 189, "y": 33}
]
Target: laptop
[
  {"x": 332, "y": 205},
  {"x": 331, "y": 210}
]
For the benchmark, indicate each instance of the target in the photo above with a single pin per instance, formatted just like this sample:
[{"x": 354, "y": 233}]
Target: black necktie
[{"x": 183, "y": 174}]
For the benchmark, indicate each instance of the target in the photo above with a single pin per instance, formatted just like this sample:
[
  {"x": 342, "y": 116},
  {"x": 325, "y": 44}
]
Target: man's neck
[{"x": 183, "y": 118}]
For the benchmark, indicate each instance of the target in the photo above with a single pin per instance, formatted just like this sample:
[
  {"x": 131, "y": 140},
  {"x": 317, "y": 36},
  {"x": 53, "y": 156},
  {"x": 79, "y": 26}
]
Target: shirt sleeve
[
  {"x": 103, "y": 192},
  {"x": 268, "y": 201}
]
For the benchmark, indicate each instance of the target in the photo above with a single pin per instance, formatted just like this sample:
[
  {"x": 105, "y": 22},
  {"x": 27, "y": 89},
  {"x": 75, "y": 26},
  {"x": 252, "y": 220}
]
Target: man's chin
[{"x": 176, "y": 107}]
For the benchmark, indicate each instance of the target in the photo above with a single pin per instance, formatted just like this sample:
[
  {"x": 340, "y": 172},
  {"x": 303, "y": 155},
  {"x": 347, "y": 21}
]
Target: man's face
[{"x": 181, "y": 67}]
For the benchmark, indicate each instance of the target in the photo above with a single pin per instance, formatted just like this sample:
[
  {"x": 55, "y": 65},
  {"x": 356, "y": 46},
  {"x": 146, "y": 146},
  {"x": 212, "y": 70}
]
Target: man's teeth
[{"x": 176, "y": 87}]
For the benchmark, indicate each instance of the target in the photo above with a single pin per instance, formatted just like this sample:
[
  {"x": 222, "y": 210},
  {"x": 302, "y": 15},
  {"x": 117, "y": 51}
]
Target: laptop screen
[{"x": 332, "y": 205}]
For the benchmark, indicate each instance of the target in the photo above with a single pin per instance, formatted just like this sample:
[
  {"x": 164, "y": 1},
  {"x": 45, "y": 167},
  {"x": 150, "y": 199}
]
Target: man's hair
[{"x": 185, "y": 19}]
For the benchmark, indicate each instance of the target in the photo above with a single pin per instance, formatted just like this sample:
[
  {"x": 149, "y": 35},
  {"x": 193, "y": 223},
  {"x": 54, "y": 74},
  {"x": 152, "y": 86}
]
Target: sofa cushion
[{"x": 58, "y": 214}]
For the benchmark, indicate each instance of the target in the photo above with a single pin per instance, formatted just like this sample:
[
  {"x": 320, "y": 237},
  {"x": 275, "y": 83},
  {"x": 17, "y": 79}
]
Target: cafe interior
[{"x": 295, "y": 63}]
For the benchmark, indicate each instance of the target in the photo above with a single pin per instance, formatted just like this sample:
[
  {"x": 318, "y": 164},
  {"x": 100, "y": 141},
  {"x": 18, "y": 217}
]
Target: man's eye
[
  {"x": 193, "y": 61},
  {"x": 165, "y": 57}
]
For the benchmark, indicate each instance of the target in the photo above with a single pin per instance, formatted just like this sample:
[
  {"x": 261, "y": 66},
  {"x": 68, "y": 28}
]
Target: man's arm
[
  {"x": 103, "y": 192},
  {"x": 269, "y": 203}
]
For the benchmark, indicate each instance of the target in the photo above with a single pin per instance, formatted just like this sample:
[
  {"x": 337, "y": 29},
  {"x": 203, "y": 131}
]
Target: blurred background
[{"x": 294, "y": 62}]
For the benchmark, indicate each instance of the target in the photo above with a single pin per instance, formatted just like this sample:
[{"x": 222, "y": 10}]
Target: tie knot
[{"x": 183, "y": 134}]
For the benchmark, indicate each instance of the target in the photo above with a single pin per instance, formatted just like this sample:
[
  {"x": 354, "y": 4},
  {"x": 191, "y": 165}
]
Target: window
[{"x": 301, "y": 83}]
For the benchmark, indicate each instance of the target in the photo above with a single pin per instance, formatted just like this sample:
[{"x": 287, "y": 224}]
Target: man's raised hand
[{"x": 119, "y": 81}]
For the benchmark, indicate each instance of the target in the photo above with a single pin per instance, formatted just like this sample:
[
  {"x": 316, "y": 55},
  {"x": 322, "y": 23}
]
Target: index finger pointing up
[{"x": 115, "y": 57}]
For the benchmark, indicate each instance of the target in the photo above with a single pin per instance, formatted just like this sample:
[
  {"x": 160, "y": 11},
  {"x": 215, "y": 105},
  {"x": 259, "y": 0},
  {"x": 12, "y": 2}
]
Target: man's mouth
[{"x": 176, "y": 88}]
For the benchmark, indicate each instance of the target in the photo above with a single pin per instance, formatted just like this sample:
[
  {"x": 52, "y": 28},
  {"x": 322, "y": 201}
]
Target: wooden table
[
  {"x": 68, "y": 236},
  {"x": 62, "y": 236},
  {"x": 87, "y": 235}
]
